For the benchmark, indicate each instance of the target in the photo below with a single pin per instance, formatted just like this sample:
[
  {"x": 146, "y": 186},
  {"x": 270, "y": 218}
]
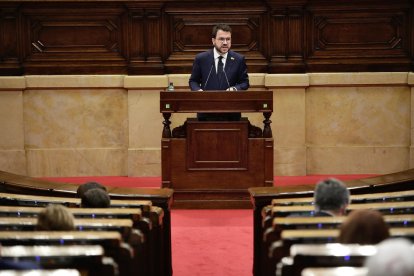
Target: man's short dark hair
[
  {"x": 95, "y": 198},
  {"x": 220, "y": 26},
  {"x": 331, "y": 195},
  {"x": 83, "y": 188}
]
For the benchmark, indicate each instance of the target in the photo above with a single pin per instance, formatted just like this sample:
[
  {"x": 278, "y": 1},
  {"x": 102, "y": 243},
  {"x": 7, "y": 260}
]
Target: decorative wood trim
[{"x": 163, "y": 36}]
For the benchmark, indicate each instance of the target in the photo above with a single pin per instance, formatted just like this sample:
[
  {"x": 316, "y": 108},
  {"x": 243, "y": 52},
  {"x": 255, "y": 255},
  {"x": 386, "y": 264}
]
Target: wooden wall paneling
[
  {"x": 145, "y": 39},
  {"x": 287, "y": 37},
  {"x": 9, "y": 42},
  {"x": 163, "y": 36},
  {"x": 191, "y": 25},
  {"x": 411, "y": 33},
  {"x": 368, "y": 36},
  {"x": 65, "y": 38},
  {"x": 136, "y": 37}
]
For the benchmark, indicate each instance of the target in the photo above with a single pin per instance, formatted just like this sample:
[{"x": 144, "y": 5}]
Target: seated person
[
  {"x": 95, "y": 198},
  {"x": 55, "y": 217},
  {"x": 364, "y": 227},
  {"x": 87, "y": 186},
  {"x": 331, "y": 198},
  {"x": 394, "y": 257}
]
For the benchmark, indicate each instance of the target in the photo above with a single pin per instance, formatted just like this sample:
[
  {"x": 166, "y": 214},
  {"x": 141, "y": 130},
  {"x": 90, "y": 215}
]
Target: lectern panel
[{"x": 217, "y": 146}]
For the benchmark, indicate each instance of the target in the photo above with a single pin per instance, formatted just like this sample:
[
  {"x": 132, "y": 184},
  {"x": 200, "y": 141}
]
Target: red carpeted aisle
[
  {"x": 208, "y": 242},
  {"x": 212, "y": 242}
]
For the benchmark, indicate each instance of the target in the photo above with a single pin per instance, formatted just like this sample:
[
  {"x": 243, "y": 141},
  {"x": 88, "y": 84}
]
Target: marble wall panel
[
  {"x": 11, "y": 120},
  {"x": 66, "y": 162},
  {"x": 344, "y": 123},
  {"x": 76, "y": 131},
  {"x": 76, "y": 118},
  {"x": 364, "y": 116}
]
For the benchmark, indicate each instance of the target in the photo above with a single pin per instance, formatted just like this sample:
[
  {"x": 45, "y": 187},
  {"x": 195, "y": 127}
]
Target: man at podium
[{"x": 219, "y": 69}]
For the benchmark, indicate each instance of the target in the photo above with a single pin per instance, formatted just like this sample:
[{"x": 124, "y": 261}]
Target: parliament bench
[
  {"x": 10, "y": 199},
  {"x": 41, "y": 272},
  {"x": 270, "y": 212},
  {"x": 324, "y": 256},
  {"x": 263, "y": 196},
  {"x": 123, "y": 226},
  {"x": 399, "y": 207},
  {"x": 160, "y": 199},
  {"x": 335, "y": 271},
  {"x": 278, "y": 219},
  {"x": 285, "y": 223},
  {"x": 146, "y": 246},
  {"x": 281, "y": 248},
  {"x": 361, "y": 198},
  {"x": 86, "y": 259},
  {"x": 135, "y": 215},
  {"x": 150, "y": 223},
  {"x": 111, "y": 241}
]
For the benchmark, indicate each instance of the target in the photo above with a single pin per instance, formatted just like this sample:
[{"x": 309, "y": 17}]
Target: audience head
[
  {"x": 87, "y": 186},
  {"x": 95, "y": 198},
  {"x": 331, "y": 196},
  {"x": 364, "y": 227},
  {"x": 55, "y": 217},
  {"x": 394, "y": 257}
]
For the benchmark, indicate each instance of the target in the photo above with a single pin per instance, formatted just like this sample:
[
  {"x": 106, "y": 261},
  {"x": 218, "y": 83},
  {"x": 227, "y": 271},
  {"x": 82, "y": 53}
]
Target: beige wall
[{"x": 342, "y": 123}]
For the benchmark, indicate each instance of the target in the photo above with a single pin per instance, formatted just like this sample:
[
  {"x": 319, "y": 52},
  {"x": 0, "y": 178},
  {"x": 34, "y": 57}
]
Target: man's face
[{"x": 222, "y": 41}]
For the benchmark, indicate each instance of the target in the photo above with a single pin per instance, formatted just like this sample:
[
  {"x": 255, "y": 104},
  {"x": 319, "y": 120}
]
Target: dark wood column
[
  {"x": 145, "y": 38},
  {"x": 9, "y": 41},
  {"x": 286, "y": 35}
]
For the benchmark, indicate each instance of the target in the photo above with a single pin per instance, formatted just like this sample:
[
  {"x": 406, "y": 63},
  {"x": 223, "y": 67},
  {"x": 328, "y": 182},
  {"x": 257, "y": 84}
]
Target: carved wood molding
[{"x": 158, "y": 37}]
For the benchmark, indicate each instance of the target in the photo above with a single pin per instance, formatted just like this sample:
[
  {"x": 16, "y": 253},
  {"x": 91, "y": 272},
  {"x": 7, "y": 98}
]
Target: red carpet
[
  {"x": 212, "y": 242},
  {"x": 208, "y": 242}
]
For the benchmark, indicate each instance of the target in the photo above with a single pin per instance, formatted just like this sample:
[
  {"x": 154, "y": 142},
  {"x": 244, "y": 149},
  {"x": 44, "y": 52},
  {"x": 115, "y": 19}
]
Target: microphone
[
  {"x": 208, "y": 76},
  {"x": 224, "y": 71}
]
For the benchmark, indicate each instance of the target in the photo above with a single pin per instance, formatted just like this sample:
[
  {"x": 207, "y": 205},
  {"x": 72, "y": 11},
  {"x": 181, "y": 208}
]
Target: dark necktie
[{"x": 220, "y": 67}]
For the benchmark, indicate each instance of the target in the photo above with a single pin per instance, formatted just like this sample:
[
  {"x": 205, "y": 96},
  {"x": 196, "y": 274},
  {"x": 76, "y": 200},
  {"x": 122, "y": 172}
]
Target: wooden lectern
[{"x": 215, "y": 162}]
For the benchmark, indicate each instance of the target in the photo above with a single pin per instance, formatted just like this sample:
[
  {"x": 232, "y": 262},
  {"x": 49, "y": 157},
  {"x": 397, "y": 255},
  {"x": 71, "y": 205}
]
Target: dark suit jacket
[{"x": 203, "y": 75}]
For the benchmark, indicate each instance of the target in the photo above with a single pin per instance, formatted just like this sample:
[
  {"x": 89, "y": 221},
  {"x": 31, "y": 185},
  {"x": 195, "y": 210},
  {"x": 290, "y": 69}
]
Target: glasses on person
[{"x": 224, "y": 39}]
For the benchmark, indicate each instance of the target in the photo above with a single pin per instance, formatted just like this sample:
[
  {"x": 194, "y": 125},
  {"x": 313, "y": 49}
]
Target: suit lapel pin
[{"x": 232, "y": 58}]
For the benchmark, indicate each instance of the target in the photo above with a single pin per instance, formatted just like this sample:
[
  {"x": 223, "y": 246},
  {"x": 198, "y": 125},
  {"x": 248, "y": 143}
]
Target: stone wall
[{"x": 102, "y": 125}]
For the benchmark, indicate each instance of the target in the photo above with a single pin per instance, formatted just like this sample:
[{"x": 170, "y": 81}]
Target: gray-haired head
[{"x": 331, "y": 195}]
